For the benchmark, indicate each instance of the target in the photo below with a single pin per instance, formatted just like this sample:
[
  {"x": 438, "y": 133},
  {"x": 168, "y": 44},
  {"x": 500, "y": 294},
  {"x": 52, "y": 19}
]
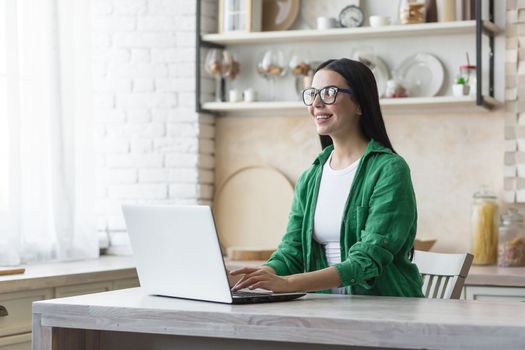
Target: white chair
[{"x": 443, "y": 274}]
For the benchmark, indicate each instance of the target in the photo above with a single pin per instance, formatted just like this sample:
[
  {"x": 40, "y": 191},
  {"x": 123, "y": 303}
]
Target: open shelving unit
[
  {"x": 446, "y": 28},
  {"x": 445, "y": 103},
  {"x": 477, "y": 28}
]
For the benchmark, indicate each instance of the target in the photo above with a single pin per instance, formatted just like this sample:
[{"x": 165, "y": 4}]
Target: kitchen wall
[
  {"x": 153, "y": 147},
  {"x": 450, "y": 156}
]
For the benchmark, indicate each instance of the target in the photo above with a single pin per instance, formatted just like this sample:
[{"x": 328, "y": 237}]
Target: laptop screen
[{"x": 177, "y": 251}]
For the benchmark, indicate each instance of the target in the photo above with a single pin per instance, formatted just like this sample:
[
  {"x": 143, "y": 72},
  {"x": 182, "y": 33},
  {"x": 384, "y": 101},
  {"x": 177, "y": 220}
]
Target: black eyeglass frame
[{"x": 318, "y": 92}]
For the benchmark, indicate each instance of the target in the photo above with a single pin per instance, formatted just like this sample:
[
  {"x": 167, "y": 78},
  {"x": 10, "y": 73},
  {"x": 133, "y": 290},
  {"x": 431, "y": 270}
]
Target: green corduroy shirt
[{"x": 377, "y": 230}]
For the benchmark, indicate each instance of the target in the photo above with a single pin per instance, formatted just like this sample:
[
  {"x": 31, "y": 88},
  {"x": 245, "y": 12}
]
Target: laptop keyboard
[{"x": 249, "y": 294}]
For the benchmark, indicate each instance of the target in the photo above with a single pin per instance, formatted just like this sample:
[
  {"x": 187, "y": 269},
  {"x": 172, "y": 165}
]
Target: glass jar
[
  {"x": 468, "y": 73},
  {"x": 511, "y": 244},
  {"x": 411, "y": 11},
  {"x": 484, "y": 221}
]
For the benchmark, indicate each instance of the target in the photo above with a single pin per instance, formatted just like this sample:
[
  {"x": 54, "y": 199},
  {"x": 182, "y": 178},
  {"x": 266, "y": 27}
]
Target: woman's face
[{"x": 340, "y": 118}]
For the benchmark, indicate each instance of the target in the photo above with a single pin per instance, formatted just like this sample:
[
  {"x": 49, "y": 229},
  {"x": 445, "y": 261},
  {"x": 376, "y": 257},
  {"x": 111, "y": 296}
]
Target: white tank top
[{"x": 334, "y": 191}]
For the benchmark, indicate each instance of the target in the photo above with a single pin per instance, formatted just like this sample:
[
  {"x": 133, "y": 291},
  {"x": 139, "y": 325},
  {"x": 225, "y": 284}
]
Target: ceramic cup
[
  {"x": 379, "y": 21},
  {"x": 235, "y": 95},
  {"x": 250, "y": 95},
  {"x": 326, "y": 22}
]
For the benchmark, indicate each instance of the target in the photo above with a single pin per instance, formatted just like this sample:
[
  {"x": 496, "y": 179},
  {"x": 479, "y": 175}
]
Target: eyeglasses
[{"x": 327, "y": 94}]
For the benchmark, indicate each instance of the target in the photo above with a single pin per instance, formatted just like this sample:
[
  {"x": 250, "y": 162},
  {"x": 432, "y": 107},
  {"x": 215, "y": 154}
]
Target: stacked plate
[
  {"x": 377, "y": 66},
  {"x": 422, "y": 75}
]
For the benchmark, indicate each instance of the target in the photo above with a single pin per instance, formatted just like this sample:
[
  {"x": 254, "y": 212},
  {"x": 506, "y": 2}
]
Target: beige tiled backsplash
[{"x": 514, "y": 160}]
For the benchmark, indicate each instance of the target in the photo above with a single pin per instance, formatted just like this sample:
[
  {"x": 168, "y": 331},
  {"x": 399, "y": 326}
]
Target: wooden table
[{"x": 129, "y": 319}]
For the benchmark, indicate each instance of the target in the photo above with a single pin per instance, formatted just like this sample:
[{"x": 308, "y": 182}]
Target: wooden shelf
[
  {"x": 415, "y": 104},
  {"x": 423, "y": 29}
]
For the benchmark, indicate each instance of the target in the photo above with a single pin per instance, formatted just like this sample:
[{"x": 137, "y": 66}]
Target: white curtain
[{"x": 48, "y": 209}]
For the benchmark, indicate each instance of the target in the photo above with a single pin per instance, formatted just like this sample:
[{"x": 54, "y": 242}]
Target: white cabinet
[
  {"x": 497, "y": 294},
  {"x": 18, "y": 306},
  {"x": 81, "y": 289},
  {"x": 15, "y": 327},
  {"x": 16, "y": 342}
]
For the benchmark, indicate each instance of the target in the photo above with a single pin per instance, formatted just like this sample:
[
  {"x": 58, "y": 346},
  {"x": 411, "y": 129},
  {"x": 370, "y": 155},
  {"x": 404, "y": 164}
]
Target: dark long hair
[{"x": 360, "y": 78}]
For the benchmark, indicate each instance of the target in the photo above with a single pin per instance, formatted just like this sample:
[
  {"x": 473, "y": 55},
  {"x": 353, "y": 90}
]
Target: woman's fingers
[
  {"x": 260, "y": 284},
  {"x": 243, "y": 270},
  {"x": 248, "y": 282},
  {"x": 233, "y": 280},
  {"x": 242, "y": 274},
  {"x": 251, "y": 278},
  {"x": 240, "y": 281},
  {"x": 243, "y": 284}
]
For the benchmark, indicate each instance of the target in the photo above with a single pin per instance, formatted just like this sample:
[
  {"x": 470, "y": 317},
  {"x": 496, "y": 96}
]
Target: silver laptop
[{"x": 177, "y": 254}]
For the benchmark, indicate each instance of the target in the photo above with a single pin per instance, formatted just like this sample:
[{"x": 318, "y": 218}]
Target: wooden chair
[{"x": 443, "y": 274}]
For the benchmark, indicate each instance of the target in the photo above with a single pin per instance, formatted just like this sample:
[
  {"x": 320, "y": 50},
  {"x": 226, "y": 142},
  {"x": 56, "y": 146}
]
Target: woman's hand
[
  {"x": 233, "y": 280},
  {"x": 262, "y": 277}
]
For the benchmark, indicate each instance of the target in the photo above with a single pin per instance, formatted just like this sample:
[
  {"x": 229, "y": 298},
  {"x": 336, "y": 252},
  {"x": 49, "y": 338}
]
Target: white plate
[
  {"x": 311, "y": 9},
  {"x": 377, "y": 66},
  {"x": 422, "y": 75}
]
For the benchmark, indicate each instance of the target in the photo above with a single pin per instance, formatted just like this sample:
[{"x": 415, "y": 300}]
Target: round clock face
[{"x": 351, "y": 16}]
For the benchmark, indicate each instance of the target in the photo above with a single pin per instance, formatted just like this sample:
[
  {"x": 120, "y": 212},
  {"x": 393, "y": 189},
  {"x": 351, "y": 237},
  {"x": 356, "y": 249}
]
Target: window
[
  {"x": 45, "y": 190},
  {"x": 4, "y": 124}
]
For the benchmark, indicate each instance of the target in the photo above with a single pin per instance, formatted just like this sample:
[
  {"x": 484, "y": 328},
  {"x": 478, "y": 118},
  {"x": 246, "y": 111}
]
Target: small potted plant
[{"x": 460, "y": 87}]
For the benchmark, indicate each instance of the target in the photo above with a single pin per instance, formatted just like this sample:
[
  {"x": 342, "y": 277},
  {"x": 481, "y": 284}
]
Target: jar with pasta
[
  {"x": 484, "y": 240},
  {"x": 511, "y": 243},
  {"x": 411, "y": 11}
]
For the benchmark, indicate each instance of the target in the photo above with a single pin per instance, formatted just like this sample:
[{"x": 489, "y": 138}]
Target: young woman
[{"x": 353, "y": 219}]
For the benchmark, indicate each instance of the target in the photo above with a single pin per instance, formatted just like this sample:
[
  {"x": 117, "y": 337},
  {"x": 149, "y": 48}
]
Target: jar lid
[
  {"x": 466, "y": 66},
  {"x": 512, "y": 215},
  {"x": 391, "y": 83},
  {"x": 485, "y": 193}
]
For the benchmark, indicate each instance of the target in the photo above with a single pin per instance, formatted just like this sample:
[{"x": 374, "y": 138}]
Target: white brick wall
[{"x": 152, "y": 146}]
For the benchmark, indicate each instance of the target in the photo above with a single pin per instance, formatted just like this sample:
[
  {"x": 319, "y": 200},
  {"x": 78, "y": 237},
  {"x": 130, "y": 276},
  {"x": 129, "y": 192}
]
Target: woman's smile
[{"x": 322, "y": 118}]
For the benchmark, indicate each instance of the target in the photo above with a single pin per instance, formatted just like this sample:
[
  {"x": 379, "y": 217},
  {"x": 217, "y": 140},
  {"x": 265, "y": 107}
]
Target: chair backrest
[{"x": 443, "y": 274}]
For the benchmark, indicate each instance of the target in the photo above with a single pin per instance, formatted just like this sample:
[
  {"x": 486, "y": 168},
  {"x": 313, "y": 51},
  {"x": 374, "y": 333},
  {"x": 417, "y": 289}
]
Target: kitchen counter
[
  {"x": 129, "y": 319},
  {"x": 66, "y": 273},
  {"x": 496, "y": 276},
  {"x": 52, "y": 274}
]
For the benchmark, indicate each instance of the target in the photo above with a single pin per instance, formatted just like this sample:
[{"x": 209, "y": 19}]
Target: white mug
[
  {"x": 326, "y": 22},
  {"x": 250, "y": 95},
  {"x": 235, "y": 95},
  {"x": 379, "y": 21}
]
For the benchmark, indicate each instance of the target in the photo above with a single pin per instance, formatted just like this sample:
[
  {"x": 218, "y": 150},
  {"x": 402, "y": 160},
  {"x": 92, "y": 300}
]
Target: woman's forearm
[{"x": 316, "y": 280}]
